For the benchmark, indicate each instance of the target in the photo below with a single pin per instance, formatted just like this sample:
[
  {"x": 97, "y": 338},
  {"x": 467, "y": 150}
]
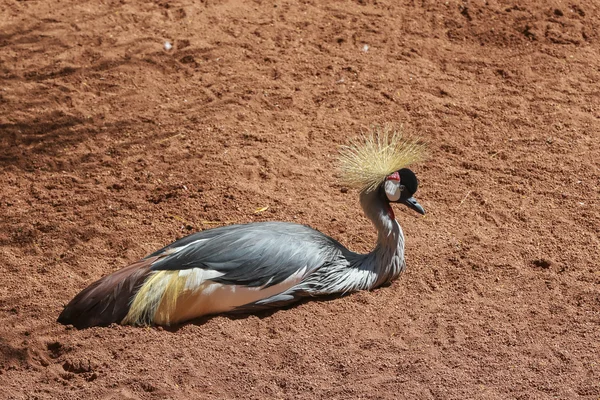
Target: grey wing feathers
[
  {"x": 254, "y": 255},
  {"x": 277, "y": 301}
]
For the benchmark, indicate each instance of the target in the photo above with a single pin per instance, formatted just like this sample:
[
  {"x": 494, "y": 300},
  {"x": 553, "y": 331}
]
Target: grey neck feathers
[
  {"x": 363, "y": 271},
  {"x": 387, "y": 259}
]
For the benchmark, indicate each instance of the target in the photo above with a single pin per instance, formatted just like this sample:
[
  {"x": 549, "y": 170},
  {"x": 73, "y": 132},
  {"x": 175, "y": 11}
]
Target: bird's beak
[{"x": 411, "y": 202}]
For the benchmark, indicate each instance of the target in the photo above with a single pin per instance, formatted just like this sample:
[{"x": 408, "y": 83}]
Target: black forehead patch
[{"x": 409, "y": 180}]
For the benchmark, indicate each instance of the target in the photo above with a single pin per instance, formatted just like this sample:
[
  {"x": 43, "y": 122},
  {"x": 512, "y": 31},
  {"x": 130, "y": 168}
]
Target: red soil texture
[{"x": 113, "y": 145}]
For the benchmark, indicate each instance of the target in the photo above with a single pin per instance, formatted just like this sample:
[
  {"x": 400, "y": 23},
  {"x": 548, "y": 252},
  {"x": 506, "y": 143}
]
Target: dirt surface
[{"x": 112, "y": 146}]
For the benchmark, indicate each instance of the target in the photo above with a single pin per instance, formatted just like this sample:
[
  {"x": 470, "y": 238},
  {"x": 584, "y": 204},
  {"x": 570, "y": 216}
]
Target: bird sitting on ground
[{"x": 264, "y": 265}]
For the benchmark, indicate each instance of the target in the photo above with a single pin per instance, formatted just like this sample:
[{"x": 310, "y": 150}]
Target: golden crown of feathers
[{"x": 368, "y": 159}]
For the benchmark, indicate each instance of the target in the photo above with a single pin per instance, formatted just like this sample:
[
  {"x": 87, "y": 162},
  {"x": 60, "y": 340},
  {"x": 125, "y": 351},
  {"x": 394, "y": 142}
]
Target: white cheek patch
[{"x": 392, "y": 190}]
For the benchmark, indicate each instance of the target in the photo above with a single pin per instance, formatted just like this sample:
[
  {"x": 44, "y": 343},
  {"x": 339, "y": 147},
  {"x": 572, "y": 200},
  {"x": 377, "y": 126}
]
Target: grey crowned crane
[{"x": 257, "y": 266}]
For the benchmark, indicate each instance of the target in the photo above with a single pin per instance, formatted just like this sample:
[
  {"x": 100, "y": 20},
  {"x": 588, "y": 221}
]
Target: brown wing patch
[{"x": 107, "y": 300}]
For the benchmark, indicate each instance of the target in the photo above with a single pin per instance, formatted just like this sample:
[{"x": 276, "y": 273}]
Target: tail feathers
[{"x": 107, "y": 300}]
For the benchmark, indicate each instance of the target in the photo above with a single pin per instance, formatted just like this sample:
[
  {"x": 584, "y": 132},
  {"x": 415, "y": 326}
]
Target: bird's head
[
  {"x": 377, "y": 162},
  {"x": 400, "y": 187}
]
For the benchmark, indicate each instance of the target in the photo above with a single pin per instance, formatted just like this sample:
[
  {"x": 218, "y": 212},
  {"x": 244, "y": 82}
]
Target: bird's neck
[{"x": 387, "y": 259}]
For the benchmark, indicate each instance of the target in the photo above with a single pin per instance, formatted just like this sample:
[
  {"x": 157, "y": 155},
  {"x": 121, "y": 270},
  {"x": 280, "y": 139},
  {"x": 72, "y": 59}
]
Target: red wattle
[{"x": 394, "y": 177}]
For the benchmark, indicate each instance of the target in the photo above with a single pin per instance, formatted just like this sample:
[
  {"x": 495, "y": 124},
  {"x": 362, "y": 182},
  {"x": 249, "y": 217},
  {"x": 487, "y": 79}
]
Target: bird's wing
[{"x": 252, "y": 255}]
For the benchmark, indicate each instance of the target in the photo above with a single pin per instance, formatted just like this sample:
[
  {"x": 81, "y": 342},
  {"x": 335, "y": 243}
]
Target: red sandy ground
[{"x": 112, "y": 146}]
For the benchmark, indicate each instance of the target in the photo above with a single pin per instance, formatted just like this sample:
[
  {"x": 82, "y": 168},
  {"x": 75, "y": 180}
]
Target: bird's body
[{"x": 245, "y": 268}]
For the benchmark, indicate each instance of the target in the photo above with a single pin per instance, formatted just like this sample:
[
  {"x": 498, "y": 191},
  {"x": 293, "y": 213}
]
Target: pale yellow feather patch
[
  {"x": 370, "y": 158},
  {"x": 168, "y": 305},
  {"x": 159, "y": 292}
]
